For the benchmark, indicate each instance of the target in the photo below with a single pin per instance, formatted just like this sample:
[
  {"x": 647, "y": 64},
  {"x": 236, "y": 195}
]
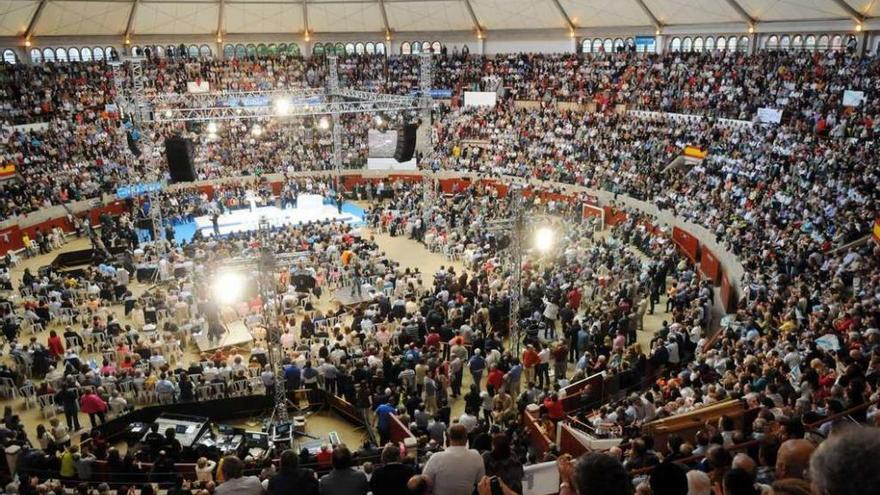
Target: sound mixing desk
[{"x": 188, "y": 429}]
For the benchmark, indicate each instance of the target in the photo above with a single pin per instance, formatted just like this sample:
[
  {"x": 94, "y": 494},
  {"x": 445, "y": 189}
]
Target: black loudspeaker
[
  {"x": 179, "y": 152},
  {"x": 406, "y": 143},
  {"x": 132, "y": 144}
]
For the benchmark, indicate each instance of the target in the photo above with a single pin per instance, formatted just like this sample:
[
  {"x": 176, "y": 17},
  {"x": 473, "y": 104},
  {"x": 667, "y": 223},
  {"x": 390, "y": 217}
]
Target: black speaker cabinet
[
  {"x": 179, "y": 152},
  {"x": 406, "y": 143}
]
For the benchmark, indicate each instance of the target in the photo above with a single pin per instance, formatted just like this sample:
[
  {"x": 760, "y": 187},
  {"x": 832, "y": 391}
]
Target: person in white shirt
[{"x": 457, "y": 469}]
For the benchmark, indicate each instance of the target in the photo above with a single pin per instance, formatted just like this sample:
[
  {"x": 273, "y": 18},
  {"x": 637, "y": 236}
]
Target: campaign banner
[
  {"x": 480, "y": 98},
  {"x": 768, "y": 115},
  {"x": 198, "y": 86},
  {"x": 646, "y": 43},
  {"x": 138, "y": 189},
  {"x": 853, "y": 98}
]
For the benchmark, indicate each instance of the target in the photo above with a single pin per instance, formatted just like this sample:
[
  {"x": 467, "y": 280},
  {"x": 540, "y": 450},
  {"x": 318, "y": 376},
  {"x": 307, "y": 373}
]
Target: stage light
[
  {"x": 282, "y": 106},
  {"x": 227, "y": 287},
  {"x": 324, "y": 123},
  {"x": 168, "y": 114},
  {"x": 256, "y": 130},
  {"x": 544, "y": 238},
  {"x": 378, "y": 119},
  {"x": 212, "y": 128}
]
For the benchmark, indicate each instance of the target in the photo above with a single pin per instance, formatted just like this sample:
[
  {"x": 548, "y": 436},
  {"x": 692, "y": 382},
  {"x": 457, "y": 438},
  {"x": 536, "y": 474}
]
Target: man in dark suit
[{"x": 392, "y": 477}]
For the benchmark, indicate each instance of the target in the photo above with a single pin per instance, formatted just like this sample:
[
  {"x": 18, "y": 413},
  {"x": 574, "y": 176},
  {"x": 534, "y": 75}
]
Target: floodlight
[
  {"x": 544, "y": 238},
  {"x": 228, "y": 287}
]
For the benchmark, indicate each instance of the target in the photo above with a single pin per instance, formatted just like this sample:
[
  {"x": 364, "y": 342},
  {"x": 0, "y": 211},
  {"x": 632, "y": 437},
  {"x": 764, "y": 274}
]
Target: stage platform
[
  {"x": 346, "y": 298},
  {"x": 247, "y": 220},
  {"x": 238, "y": 336}
]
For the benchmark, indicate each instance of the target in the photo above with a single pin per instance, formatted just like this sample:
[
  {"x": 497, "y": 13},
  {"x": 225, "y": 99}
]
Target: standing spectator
[
  {"x": 233, "y": 481},
  {"x": 290, "y": 476},
  {"x": 93, "y": 405},
  {"x": 501, "y": 463},
  {"x": 343, "y": 479},
  {"x": 456, "y": 470},
  {"x": 391, "y": 478}
]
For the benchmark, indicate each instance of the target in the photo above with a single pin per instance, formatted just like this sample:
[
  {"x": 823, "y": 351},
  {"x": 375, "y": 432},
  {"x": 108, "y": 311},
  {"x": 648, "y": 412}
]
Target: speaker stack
[
  {"x": 179, "y": 152},
  {"x": 406, "y": 143}
]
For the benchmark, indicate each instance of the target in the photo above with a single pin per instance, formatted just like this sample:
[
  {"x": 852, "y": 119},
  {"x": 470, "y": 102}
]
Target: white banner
[
  {"x": 853, "y": 98},
  {"x": 198, "y": 86},
  {"x": 479, "y": 98},
  {"x": 768, "y": 115},
  {"x": 390, "y": 164}
]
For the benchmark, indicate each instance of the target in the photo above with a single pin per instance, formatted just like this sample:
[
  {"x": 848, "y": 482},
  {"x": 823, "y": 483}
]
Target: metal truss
[{"x": 211, "y": 98}]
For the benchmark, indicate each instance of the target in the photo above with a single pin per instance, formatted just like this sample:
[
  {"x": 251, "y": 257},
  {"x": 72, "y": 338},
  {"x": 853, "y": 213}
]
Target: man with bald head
[{"x": 793, "y": 458}]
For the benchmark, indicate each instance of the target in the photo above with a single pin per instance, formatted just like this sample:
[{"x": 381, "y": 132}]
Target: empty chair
[
  {"x": 29, "y": 394},
  {"x": 47, "y": 405}
]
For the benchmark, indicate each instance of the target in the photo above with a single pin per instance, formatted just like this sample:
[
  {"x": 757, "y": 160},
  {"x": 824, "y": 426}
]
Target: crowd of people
[{"x": 786, "y": 199}]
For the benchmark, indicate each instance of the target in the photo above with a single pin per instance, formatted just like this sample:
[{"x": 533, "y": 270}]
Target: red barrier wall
[
  {"x": 728, "y": 294},
  {"x": 399, "y": 432},
  {"x": 687, "y": 243},
  {"x": 540, "y": 442},
  {"x": 449, "y": 186},
  {"x": 710, "y": 266},
  {"x": 569, "y": 444},
  {"x": 613, "y": 216},
  {"x": 591, "y": 212}
]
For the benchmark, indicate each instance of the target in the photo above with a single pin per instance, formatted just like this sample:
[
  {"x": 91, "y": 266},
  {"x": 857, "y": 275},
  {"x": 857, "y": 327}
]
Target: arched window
[
  {"x": 36, "y": 56},
  {"x": 9, "y": 56},
  {"x": 192, "y": 51},
  {"x": 785, "y": 42},
  {"x": 586, "y": 46},
  {"x": 318, "y": 49},
  {"x": 597, "y": 45},
  {"x": 731, "y": 43},
  {"x": 262, "y": 50},
  {"x": 48, "y": 54},
  {"x": 359, "y": 48},
  {"x": 675, "y": 45},
  {"x": 772, "y": 42},
  {"x": 228, "y": 51},
  {"x": 282, "y": 48},
  {"x": 630, "y": 44},
  {"x": 251, "y": 50},
  {"x": 98, "y": 53},
  {"x": 370, "y": 48},
  {"x": 340, "y": 49},
  {"x": 136, "y": 51},
  {"x": 618, "y": 45},
  {"x": 405, "y": 48},
  {"x": 293, "y": 50},
  {"x": 109, "y": 53},
  {"x": 436, "y": 46},
  {"x": 380, "y": 48},
  {"x": 687, "y": 45},
  {"x": 73, "y": 54},
  {"x": 608, "y": 45},
  {"x": 837, "y": 42},
  {"x": 86, "y": 54},
  {"x": 61, "y": 54},
  {"x": 824, "y": 41},
  {"x": 743, "y": 44},
  {"x": 797, "y": 43},
  {"x": 722, "y": 43},
  {"x": 810, "y": 44},
  {"x": 710, "y": 43},
  {"x": 426, "y": 46},
  {"x": 349, "y": 48},
  {"x": 416, "y": 47},
  {"x": 273, "y": 50},
  {"x": 205, "y": 51},
  {"x": 329, "y": 49},
  {"x": 240, "y": 51},
  {"x": 698, "y": 44}
]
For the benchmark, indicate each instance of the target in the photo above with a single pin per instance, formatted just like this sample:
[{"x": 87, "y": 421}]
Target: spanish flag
[{"x": 7, "y": 171}]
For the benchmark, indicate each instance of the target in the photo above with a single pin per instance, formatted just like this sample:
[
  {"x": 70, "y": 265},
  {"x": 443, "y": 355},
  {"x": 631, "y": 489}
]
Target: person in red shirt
[
  {"x": 55, "y": 345},
  {"x": 495, "y": 378},
  {"x": 325, "y": 457},
  {"x": 530, "y": 359},
  {"x": 433, "y": 339},
  {"x": 554, "y": 407},
  {"x": 574, "y": 299}
]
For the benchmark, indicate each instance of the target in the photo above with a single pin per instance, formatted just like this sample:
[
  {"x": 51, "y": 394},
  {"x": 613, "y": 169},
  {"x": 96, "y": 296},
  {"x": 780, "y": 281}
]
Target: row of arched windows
[
  {"x": 416, "y": 47},
  {"x": 9, "y": 56},
  {"x": 608, "y": 45},
  {"x": 709, "y": 43},
  {"x": 809, "y": 42},
  {"x": 340, "y": 48},
  {"x": 191, "y": 51},
  {"x": 261, "y": 50},
  {"x": 74, "y": 54}
]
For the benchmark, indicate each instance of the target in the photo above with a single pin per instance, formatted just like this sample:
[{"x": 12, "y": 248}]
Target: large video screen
[{"x": 382, "y": 144}]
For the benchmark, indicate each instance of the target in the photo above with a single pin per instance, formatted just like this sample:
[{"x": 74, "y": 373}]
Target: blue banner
[
  {"x": 138, "y": 189},
  {"x": 436, "y": 93},
  {"x": 646, "y": 42}
]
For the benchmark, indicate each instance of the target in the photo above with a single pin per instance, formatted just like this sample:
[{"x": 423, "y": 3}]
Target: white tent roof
[{"x": 116, "y": 17}]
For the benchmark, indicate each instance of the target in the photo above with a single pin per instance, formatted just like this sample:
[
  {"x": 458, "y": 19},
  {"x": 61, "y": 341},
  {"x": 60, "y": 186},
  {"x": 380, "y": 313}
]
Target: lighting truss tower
[
  {"x": 426, "y": 81},
  {"x": 128, "y": 83},
  {"x": 333, "y": 87},
  {"x": 268, "y": 265},
  {"x": 514, "y": 227}
]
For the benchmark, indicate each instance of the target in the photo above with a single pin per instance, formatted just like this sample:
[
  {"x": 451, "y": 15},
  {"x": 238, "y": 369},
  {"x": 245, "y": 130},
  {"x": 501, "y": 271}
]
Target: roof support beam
[
  {"x": 742, "y": 12},
  {"x": 564, "y": 14},
  {"x": 130, "y": 24},
  {"x": 477, "y": 25},
  {"x": 850, "y": 11},
  {"x": 29, "y": 32},
  {"x": 221, "y": 16},
  {"x": 656, "y": 22},
  {"x": 384, "y": 18},
  {"x": 306, "y": 19}
]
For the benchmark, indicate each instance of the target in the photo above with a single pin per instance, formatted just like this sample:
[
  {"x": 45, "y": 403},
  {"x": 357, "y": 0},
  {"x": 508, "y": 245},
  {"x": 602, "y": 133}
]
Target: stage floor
[
  {"x": 246, "y": 220},
  {"x": 238, "y": 336}
]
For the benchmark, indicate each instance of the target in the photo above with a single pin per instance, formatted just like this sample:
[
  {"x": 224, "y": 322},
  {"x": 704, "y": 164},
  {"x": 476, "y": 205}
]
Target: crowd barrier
[
  {"x": 540, "y": 442},
  {"x": 722, "y": 267}
]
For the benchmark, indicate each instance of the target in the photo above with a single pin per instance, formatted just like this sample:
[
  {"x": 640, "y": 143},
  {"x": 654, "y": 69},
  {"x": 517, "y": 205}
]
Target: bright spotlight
[
  {"x": 544, "y": 238},
  {"x": 324, "y": 123},
  {"x": 378, "y": 120},
  {"x": 257, "y": 131},
  {"x": 212, "y": 128},
  {"x": 282, "y": 106},
  {"x": 168, "y": 114},
  {"x": 227, "y": 287}
]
